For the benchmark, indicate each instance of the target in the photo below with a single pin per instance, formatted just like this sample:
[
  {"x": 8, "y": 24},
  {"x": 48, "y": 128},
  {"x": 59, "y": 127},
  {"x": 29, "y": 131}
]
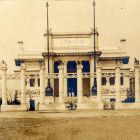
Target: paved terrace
[{"x": 70, "y": 114}]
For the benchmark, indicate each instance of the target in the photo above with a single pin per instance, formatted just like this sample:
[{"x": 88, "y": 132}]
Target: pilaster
[
  {"x": 99, "y": 85},
  {"x": 79, "y": 82},
  {"x": 4, "y": 83},
  {"x": 61, "y": 83},
  {"x": 117, "y": 82},
  {"x": 23, "y": 85},
  {"x": 91, "y": 72},
  {"x": 137, "y": 84},
  {"x": 65, "y": 79},
  {"x": 42, "y": 86}
]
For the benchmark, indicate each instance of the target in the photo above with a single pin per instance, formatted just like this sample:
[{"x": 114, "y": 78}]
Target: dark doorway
[
  {"x": 32, "y": 105},
  {"x": 86, "y": 87},
  {"x": 72, "y": 86}
]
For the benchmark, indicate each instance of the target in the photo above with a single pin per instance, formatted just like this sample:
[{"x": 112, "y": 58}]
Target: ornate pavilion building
[{"x": 71, "y": 74}]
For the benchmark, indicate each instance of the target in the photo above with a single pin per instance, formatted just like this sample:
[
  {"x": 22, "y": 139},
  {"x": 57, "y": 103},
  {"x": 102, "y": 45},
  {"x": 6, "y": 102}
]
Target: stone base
[
  {"x": 52, "y": 107},
  {"x": 81, "y": 106},
  {"x": 127, "y": 105},
  {"x": 8, "y": 108}
]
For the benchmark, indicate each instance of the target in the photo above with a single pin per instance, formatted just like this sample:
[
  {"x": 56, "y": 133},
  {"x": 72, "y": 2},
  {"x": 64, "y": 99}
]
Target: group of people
[
  {"x": 71, "y": 93},
  {"x": 72, "y": 103}
]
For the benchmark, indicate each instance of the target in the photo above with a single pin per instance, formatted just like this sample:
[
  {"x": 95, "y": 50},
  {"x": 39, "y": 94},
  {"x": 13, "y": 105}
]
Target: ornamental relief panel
[{"x": 71, "y": 42}]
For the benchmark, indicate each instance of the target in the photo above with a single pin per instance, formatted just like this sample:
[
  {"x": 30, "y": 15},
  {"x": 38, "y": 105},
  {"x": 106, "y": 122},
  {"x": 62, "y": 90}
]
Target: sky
[{"x": 25, "y": 20}]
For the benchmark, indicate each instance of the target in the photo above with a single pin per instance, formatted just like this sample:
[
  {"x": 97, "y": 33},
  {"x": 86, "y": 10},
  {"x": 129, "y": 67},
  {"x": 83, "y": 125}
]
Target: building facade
[{"x": 71, "y": 74}]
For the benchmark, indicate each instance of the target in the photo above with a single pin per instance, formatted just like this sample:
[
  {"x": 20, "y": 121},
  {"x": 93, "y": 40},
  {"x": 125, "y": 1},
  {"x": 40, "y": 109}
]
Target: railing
[
  {"x": 68, "y": 75},
  {"x": 111, "y": 91}
]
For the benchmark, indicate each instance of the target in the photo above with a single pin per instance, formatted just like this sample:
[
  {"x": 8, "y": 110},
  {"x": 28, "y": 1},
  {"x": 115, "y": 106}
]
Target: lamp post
[
  {"x": 48, "y": 90},
  {"x": 95, "y": 54}
]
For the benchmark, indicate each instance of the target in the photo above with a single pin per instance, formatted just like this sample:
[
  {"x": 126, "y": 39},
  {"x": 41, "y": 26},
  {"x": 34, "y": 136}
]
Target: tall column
[
  {"x": 99, "y": 85},
  {"x": 117, "y": 83},
  {"x": 28, "y": 83},
  {"x": 65, "y": 79},
  {"x": 42, "y": 85},
  {"x": 126, "y": 80},
  {"x": 4, "y": 83},
  {"x": 23, "y": 85},
  {"x": 61, "y": 83},
  {"x": 137, "y": 84},
  {"x": 107, "y": 82},
  {"x": 79, "y": 83}
]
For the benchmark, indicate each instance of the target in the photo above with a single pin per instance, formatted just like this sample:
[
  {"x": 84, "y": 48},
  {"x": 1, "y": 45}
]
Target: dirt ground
[{"x": 104, "y": 125}]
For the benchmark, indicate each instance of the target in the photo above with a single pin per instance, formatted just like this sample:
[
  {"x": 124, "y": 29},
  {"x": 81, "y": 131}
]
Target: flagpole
[
  {"x": 48, "y": 90},
  {"x": 95, "y": 54}
]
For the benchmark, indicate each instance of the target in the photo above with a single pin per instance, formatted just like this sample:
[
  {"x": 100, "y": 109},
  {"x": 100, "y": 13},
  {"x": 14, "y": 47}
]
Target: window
[
  {"x": 86, "y": 66},
  {"x": 103, "y": 81},
  {"x": 121, "y": 80},
  {"x": 32, "y": 82},
  {"x": 38, "y": 82},
  {"x": 112, "y": 80},
  {"x": 72, "y": 67},
  {"x": 56, "y": 67}
]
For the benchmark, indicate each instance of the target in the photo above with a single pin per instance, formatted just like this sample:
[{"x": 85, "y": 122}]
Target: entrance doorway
[
  {"x": 32, "y": 105},
  {"x": 72, "y": 86}
]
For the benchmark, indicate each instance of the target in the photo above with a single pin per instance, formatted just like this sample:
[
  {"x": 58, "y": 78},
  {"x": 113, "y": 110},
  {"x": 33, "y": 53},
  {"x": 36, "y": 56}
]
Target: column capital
[
  {"x": 61, "y": 66},
  {"x": 99, "y": 65},
  {"x": 65, "y": 62},
  {"x": 36, "y": 76},
  {"x": 3, "y": 65},
  {"x": 79, "y": 65},
  {"x": 27, "y": 79},
  {"x": 99, "y": 69}
]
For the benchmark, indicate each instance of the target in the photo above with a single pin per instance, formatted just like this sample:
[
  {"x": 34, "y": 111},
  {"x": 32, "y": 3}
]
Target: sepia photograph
[{"x": 69, "y": 70}]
